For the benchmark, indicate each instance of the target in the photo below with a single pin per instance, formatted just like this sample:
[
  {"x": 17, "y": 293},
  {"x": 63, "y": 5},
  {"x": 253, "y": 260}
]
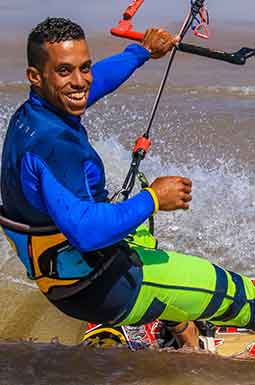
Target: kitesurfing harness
[{"x": 40, "y": 247}]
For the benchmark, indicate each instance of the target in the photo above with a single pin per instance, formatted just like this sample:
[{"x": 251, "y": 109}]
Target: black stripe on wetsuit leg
[
  {"x": 153, "y": 312},
  {"x": 218, "y": 295},
  {"x": 239, "y": 300}
]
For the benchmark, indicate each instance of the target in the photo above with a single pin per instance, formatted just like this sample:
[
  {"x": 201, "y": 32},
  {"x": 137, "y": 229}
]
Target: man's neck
[{"x": 38, "y": 99}]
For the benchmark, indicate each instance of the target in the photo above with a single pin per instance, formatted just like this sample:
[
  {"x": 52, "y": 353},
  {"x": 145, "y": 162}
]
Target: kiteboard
[{"x": 224, "y": 341}]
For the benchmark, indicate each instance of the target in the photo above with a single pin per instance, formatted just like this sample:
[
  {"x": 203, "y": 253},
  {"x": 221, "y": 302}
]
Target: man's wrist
[
  {"x": 147, "y": 48},
  {"x": 141, "y": 53},
  {"x": 155, "y": 199}
]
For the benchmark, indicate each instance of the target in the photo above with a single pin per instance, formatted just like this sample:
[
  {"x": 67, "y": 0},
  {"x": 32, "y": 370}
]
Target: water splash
[
  {"x": 214, "y": 150},
  {"x": 219, "y": 225}
]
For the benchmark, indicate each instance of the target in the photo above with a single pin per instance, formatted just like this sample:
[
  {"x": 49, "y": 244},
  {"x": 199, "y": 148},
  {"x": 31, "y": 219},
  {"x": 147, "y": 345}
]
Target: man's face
[{"x": 66, "y": 76}]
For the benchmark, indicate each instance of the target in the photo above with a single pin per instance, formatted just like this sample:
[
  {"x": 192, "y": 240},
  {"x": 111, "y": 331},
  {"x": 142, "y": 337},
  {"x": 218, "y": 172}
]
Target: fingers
[
  {"x": 173, "y": 192},
  {"x": 158, "y": 42},
  {"x": 166, "y": 39},
  {"x": 184, "y": 180},
  {"x": 147, "y": 34},
  {"x": 183, "y": 203},
  {"x": 185, "y": 188},
  {"x": 184, "y": 184},
  {"x": 185, "y": 197}
]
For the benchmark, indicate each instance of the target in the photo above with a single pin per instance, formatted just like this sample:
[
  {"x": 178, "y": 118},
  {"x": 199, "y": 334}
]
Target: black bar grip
[{"x": 238, "y": 57}]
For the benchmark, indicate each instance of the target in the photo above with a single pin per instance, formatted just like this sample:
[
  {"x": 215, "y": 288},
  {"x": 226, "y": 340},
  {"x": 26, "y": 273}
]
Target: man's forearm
[{"x": 110, "y": 73}]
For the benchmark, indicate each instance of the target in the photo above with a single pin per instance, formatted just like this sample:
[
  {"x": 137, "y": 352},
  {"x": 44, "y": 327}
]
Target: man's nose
[{"x": 78, "y": 79}]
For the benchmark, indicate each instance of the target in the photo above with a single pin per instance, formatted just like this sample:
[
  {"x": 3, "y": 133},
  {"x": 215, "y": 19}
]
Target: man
[{"x": 52, "y": 175}]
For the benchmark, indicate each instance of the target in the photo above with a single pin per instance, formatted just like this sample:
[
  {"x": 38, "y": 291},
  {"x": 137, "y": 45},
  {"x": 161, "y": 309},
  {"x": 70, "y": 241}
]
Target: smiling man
[
  {"x": 64, "y": 75},
  {"x": 51, "y": 175}
]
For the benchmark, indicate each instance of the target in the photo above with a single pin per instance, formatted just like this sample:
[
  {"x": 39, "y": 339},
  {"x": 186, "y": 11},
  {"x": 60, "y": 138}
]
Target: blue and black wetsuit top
[{"x": 52, "y": 174}]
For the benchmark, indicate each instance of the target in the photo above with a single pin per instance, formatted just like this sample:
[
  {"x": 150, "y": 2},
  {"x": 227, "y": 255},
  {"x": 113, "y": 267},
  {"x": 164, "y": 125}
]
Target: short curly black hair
[{"x": 51, "y": 30}]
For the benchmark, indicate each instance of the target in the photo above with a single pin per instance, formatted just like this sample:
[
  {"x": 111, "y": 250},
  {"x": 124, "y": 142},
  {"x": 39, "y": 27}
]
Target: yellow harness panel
[{"x": 38, "y": 245}]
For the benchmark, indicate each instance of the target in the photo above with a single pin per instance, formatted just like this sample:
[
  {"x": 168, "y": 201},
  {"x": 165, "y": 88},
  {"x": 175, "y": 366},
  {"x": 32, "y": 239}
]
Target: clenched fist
[
  {"x": 158, "y": 42},
  {"x": 173, "y": 192}
]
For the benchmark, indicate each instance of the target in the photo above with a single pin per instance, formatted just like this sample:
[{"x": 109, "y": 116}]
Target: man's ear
[{"x": 34, "y": 77}]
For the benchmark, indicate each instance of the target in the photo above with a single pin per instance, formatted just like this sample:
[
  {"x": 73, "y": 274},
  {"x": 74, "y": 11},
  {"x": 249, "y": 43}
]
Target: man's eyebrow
[
  {"x": 87, "y": 63},
  {"x": 63, "y": 65}
]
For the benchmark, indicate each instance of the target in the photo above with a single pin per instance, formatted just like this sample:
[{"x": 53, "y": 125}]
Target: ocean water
[{"x": 204, "y": 129}]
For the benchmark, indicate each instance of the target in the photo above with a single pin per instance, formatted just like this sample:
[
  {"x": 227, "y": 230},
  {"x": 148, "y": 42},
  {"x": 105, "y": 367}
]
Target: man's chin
[{"x": 75, "y": 110}]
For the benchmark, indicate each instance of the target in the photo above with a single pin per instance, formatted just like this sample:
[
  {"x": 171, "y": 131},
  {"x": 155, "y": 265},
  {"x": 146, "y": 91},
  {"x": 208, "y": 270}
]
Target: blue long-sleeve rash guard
[{"x": 51, "y": 173}]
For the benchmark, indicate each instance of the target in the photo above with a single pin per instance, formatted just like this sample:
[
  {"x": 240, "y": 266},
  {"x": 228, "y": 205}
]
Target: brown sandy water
[
  {"x": 205, "y": 130},
  {"x": 57, "y": 365},
  {"x": 25, "y": 312}
]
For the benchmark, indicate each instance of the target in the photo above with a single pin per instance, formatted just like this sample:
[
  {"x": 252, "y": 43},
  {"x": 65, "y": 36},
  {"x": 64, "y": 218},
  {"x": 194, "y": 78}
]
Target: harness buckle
[{"x": 52, "y": 272}]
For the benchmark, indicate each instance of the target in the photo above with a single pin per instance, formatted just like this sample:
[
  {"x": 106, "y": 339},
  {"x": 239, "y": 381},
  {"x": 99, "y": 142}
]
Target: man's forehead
[{"x": 68, "y": 48}]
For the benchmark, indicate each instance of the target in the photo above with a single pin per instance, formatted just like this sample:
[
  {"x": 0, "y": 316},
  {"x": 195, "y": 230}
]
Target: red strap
[
  {"x": 132, "y": 9},
  {"x": 125, "y": 27},
  {"x": 127, "y": 34},
  {"x": 202, "y": 31}
]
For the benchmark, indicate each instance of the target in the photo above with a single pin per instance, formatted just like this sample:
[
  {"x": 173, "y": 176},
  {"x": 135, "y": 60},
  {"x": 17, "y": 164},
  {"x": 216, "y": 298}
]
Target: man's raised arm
[{"x": 110, "y": 73}]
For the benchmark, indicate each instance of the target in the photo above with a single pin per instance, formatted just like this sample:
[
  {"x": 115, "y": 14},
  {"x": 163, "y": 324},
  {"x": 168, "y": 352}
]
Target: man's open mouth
[{"x": 77, "y": 96}]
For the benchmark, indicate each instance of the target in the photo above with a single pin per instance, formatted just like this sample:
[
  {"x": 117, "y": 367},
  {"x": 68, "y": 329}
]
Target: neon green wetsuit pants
[{"x": 179, "y": 287}]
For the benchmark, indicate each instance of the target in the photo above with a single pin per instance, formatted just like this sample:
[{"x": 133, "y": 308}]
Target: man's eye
[
  {"x": 63, "y": 71},
  {"x": 85, "y": 69}
]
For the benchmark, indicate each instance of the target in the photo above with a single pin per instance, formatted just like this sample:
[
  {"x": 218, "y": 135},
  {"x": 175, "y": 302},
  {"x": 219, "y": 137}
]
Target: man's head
[{"x": 59, "y": 64}]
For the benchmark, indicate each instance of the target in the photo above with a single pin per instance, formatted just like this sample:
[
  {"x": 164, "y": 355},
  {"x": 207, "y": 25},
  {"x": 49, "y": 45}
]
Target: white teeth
[{"x": 76, "y": 95}]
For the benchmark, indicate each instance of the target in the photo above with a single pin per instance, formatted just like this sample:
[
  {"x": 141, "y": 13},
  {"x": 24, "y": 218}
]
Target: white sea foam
[
  {"x": 220, "y": 223},
  {"x": 17, "y": 281}
]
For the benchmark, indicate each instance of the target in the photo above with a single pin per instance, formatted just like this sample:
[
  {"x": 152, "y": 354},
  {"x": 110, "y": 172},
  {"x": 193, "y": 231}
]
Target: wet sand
[
  {"x": 235, "y": 343},
  {"x": 27, "y": 314}
]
